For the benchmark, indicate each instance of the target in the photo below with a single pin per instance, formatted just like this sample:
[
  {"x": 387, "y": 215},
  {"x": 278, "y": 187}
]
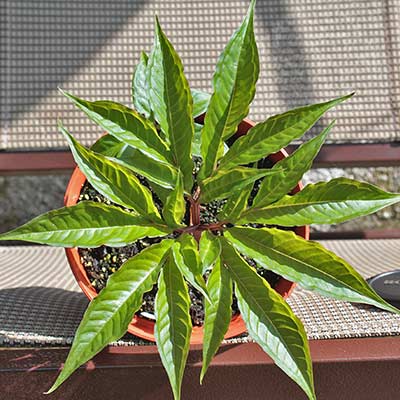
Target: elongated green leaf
[
  {"x": 109, "y": 314},
  {"x": 270, "y": 321},
  {"x": 161, "y": 192},
  {"x": 209, "y": 250},
  {"x": 175, "y": 206},
  {"x": 126, "y": 125},
  {"x": 305, "y": 262},
  {"x": 114, "y": 181},
  {"x": 236, "y": 204},
  {"x": 163, "y": 174},
  {"x": 196, "y": 144},
  {"x": 275, "y": 133},
  {"x": 324, "y": 203},
  {"x": 218, "y": 313},
  {"x": 140, "y": 90},
  {"x": 292, "y": 169},
  {"x": 234, "y": 87},
  {"x": 173, "y": 324},
  {"x": 200, "y": 102},
  {"x": 172, "y": 102},
  {"x": 223, "y": 183},
  {"x": 87, "y": 224},
  {"x": 108, "y": 145},
  {"x": 186, "y": 258}
]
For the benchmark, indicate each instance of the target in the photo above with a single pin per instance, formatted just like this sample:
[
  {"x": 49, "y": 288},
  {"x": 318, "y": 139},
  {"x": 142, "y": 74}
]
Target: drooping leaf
[
  {"x": 162, "y": 174},
  {"x": 223, "y": 183},
  {"x": 209, "y": 250},
  {"x": 108, "y": 145},
  {"x": 330, "y": 202},
  {"x": 87, "y": 224},
  {"x": 275, "y": 133},
  {"x": 292, "y": 169},
  {"x": 308, "y": 263},
  {"x": 175, "y": 205},
  {"x": 200, "y": 102},
  {"x": 218, "y": 313},
  {"x": 126, "y": 125},
  {"x": 236, "y": 204},
  {"x": 234, "y": 87},
  {"x": 173, "y": 324},
  {"x": 270, "y": 321},
  {"x": 114, "y": 181},
  {"x": 109, "y": 314},
  {"x": 172, "y": 103},
  {"x": 186, "y": 256},
  {"x": 140, "y": 90}
]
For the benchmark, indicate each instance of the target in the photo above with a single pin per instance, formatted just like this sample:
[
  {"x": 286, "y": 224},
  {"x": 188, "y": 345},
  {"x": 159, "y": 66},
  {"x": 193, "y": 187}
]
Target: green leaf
[
  {"x": 175, "y": 206},
  {"x": 196, "y": 144},
  {"x": 275, "y": 133},
  {"x": 126, "y": 125},
  {"x": 186, "y": 256},
  {"x": 200, "y": 102},
  {"x": 114, "y": 181},
  {"x": 172, "y": 103},
  {"x": 140, "y": 90},
  {"x": 234, "y": 87},
  {"x": 324, "y": 203},
  {"x": 164, "y": 175},
  {"x": 108, "y": 146},
  {"x": 87, "y": 224},
  {"x": 109, "y": 314},
  {"x": 223, "y": 183},
  {"x": 236, "y": 204},
  {"x": 173, "y": 324},
  {"x": 292, "y": 169},
  {"x": 305, "y": 262},
  {"x": 270, "y": 321},
  {"x": 209, "y": 250},
  {"x": 218, "y": 313}
]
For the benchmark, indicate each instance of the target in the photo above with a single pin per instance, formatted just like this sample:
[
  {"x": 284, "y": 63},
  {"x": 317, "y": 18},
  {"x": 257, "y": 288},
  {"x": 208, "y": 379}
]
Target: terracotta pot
[{"x": 143, "y": 327}]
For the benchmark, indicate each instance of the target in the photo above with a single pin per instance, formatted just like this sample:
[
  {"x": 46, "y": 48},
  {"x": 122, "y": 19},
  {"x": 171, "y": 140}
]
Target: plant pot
[{"x": 143, "y": 327}]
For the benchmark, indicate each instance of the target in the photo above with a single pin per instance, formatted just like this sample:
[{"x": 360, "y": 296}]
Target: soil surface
[{"x": 101, "y": 262}]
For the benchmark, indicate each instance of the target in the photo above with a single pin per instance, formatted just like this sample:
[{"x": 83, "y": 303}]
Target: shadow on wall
[{"x": 53, "y": 39}]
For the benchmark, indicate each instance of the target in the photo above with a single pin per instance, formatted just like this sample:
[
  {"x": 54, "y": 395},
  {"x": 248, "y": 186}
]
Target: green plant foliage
[
  {"x": 173, "y": 326},
  {"x": 270, "y": 320},
  {"x": 108, "y": 315},
  {"x": 161, "y": 169},
  {"x": 234, "y": 83}
]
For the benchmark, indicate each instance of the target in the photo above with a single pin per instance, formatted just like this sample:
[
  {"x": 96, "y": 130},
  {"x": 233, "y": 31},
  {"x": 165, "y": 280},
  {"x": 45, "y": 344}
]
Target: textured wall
[{"x": 24, "y": 197}]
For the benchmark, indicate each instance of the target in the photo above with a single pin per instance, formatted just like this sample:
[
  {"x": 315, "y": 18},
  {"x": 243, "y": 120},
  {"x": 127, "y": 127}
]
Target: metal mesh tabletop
[
  {"x": 310, "y": 50},
  {"x": 41, "y": 305}
]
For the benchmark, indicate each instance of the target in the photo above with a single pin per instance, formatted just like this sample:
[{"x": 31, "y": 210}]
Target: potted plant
[{"x": 156, "y": 168}]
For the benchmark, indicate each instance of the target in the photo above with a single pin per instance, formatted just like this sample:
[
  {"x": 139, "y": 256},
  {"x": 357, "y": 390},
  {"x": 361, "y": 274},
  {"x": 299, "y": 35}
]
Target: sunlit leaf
[
  {"x": 109, "y": 314},
  {"x": 235, "y": 204},
  {"x": 175, "y": 205},
  {"x": 140, "y": 90},
  {"x": 209, "y": 250},
  {"x": 173, "y": 324}
]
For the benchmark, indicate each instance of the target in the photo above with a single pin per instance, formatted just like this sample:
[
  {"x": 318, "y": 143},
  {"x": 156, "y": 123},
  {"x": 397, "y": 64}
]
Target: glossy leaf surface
[
  {"x": 209, "y": 250},
  {"x": 114, "y": 181},
  {"x": 275, "y": 133},
  {"x": 175, "y": 205},
  {"x": 126, "y": 125},
  {"x": 234, "y": 87},
  {"x": 172, "y": 103},
  {"x": 140, "y": 90},
  {"x": 224, "y": 183},
  {"x": 173, "y": 324},
  {"x": 218, "y": 313},
  {"x": 200, "y": 102},
  {"x": 108, "y": 145},
  {"x": 87, "y": 224},
  {"x": 306, "y": 262},
  {"x": 270, "y": 321},
  {"x": 330, "y": 202},
  {"x": 109, "y": 314},
  {"x": 236, "y": 204},
  {"x": 292, "y": 169}
]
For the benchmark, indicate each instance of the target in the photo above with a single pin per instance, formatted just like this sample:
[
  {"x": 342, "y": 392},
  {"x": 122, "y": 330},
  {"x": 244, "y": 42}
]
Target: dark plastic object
[{"x": 387, "y": 285}]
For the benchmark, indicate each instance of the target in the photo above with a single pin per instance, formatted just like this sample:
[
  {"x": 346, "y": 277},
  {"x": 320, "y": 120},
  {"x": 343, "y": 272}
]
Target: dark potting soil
[{"x": 103, "y": 261}]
